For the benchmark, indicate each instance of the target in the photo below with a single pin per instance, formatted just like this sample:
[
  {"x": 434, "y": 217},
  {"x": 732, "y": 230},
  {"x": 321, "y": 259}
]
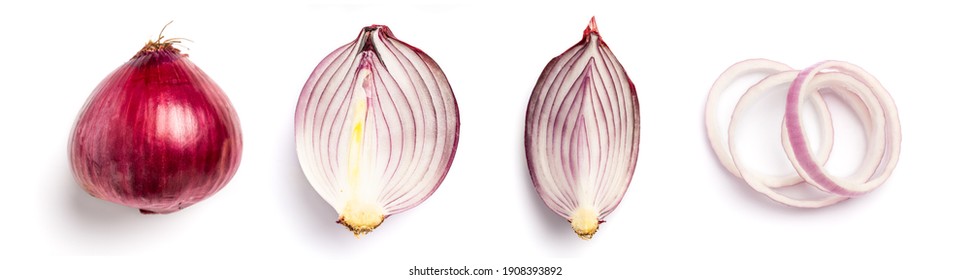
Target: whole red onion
[{"x": 157, "y": 134}]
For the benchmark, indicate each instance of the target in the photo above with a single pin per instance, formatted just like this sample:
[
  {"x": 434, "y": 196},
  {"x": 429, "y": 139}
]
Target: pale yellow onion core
[{"x": 360, "y": 214}]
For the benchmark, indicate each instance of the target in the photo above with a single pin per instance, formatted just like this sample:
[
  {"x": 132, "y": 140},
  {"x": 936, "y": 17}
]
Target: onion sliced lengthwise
[
  {"x": 861, "y": 92},
  {"x": 582, "y": 133},
  {"x": 376, "y": 128}
]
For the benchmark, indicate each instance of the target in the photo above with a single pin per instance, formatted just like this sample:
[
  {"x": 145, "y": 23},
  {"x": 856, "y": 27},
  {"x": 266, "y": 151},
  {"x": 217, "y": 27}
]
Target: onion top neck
[{"x": 160, "y": 44}]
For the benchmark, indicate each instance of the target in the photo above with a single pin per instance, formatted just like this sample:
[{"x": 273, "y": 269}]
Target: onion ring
[
  {"x": 804, "y": 162},
  {"x": 858, "y": 89},
  {"x": 714, "y": 129}
]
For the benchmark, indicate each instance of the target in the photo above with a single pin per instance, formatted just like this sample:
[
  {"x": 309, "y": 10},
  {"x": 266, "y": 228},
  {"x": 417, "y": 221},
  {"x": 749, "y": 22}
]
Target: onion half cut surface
[
  {"x": 376, "y": 128},
  {"x": 582, "y": 133}
]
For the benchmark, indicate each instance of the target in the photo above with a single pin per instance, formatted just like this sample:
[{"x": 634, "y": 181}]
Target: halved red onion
[
  {"x": 376, "y": 128},
  {"x": 582, "y": 133},
  {"x": 859, "y": 90},
  {"x": 157, "y": 134}
]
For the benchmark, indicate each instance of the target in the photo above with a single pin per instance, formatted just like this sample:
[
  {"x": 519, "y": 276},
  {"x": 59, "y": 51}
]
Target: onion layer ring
[
  {"x": 714, "y": 133},
  {"x": 860, "y": 90},
  {"x": 804, "y": 162}
]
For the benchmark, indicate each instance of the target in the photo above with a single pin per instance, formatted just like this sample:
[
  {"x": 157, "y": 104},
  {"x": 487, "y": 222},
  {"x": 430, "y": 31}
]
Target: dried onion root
[{"x": 864, "y": 95}]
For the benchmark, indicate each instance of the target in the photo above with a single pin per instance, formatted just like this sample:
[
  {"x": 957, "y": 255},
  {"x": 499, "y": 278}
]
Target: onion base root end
[
  {"x": 360, "y": 220},
  {"x": 585, "y": 223}
]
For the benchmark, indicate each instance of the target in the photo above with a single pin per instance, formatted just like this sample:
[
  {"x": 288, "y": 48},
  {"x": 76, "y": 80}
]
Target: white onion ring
[{"x": 714, "y": 133}]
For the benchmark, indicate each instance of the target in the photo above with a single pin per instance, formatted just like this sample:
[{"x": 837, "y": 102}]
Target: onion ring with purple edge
[
  {"x": 829, "y": 83},
  {"x": 806, "y": 164},
  {"x": 874, "y": 124}
]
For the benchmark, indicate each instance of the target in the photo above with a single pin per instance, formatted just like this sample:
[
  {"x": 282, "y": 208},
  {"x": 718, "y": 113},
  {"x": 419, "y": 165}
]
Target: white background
[{"x": 683, "y": 216}]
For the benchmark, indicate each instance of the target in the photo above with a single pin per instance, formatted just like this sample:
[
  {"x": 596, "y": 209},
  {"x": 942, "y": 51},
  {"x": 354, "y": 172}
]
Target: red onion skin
[{"x": 157, "y": 134}]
